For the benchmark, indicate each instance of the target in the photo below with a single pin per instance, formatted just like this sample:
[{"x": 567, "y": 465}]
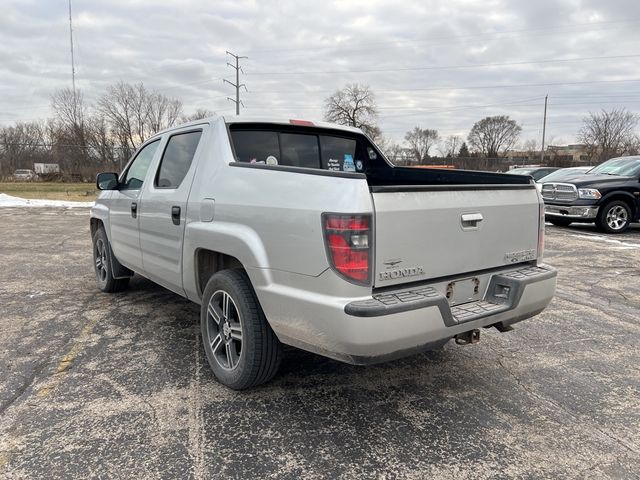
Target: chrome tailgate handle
[{"x": 471, "y": 220}]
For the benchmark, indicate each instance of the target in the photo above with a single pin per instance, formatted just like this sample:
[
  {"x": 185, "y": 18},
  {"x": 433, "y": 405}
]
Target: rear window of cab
[{"x": 307, "y": 149}]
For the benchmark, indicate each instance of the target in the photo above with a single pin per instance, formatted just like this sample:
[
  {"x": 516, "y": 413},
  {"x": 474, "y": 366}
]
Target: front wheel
[
  {"x": 241, "y": 348},
  {"x": 102, "y": 261},
  {"x": 614, "y": 217}
]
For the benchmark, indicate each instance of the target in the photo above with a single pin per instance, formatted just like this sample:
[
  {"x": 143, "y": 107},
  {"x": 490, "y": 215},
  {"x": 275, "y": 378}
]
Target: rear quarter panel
[{"x": 267, "y": 219}]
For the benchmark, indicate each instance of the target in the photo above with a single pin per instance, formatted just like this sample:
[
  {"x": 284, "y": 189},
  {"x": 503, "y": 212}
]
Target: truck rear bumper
[{"x": 401, "y": 322}]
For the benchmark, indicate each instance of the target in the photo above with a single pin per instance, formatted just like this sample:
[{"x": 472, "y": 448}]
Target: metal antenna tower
[{"x": 73, "y": 64}]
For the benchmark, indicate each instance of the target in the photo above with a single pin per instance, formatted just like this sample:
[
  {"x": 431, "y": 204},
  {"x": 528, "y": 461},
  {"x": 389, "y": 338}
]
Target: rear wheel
[
  {"x": 560, "y": 222},
  {"x": 102, "y": 261},
  {"x": 241, "y": 348},
  {"x": 614, "y": 217}
]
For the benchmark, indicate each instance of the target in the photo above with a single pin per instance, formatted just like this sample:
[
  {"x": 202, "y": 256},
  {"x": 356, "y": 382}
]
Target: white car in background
[{"x": 24, "y": 174}]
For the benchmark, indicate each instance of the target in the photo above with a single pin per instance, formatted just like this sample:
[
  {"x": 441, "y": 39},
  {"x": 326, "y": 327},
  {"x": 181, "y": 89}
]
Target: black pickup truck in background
[{"x": 609, "y": 196}]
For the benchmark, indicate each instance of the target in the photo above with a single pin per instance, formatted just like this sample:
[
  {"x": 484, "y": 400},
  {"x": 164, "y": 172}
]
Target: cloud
[{"x": 300, "y": 52}]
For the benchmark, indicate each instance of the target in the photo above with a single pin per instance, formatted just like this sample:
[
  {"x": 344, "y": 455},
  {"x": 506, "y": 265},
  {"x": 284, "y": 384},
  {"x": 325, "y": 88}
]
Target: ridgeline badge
[
  {"x": 521, "y": 256},
  {"x": 401, "y": 273}
]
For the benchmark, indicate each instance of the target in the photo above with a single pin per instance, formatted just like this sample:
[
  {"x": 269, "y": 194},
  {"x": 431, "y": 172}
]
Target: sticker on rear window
[
  {"x": 271, "y": 160},
  {"x": 333, "y": 164},
  {"x": 348, "y": 165}
]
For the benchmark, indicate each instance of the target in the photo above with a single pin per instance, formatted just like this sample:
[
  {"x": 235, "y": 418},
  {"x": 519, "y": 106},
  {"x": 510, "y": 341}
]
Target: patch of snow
[
  {"x": 618, "y": 244},
  {"x": 9, "y": 201}
]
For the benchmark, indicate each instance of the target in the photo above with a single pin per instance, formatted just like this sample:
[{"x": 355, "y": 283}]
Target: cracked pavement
[{"x": 117, "y": 386}]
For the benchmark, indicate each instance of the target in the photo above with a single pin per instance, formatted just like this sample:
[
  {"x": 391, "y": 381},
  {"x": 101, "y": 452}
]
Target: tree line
[
  {"x": 604, "y": 134},
  {"x": 85, "y": 138}
]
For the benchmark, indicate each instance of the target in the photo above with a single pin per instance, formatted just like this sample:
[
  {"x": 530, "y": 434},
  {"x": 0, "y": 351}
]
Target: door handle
[
  {"x": 175, "y": 215},
  {"x": 471, "y": 220},
  {"x": 134, "y": 209}
]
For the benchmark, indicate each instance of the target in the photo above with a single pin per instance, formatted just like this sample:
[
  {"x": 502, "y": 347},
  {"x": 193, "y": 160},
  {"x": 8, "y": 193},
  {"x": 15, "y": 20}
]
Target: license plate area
[{"x": 463, "y": 291}]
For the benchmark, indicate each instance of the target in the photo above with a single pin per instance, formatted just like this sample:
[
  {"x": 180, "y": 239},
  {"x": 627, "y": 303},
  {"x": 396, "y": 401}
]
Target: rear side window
[
  {"x": 308, "y": 150},
  {"x": 177, "y": 158},
  {"x": 299, "y": 150},
  {"x": 256, "y": 147},
  {"x": 339, "y": 154}
]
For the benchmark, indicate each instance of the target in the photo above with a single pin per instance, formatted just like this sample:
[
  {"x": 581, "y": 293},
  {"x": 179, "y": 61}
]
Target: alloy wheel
[
  {"x": 224, "y": 329},
  {"x": 617, "y": 217}
]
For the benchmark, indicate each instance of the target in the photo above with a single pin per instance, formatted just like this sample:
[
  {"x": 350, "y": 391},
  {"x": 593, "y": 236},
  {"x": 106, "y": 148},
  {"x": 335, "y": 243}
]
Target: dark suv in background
[{"x": 609, "y": 196}]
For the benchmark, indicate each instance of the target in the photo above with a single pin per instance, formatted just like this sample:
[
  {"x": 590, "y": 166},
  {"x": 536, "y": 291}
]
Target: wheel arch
[
  {"x": 625, "y": 197},
  {"x": 209, "y": 248},
  {"x": 209, "y": 262},
  {"x": 119, "y": 270}
]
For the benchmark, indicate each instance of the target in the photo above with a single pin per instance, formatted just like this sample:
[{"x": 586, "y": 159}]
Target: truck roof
[{"x": 231, "y": 119}]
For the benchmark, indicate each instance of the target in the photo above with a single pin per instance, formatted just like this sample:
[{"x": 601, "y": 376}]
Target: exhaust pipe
[{"x": 467, "y": 338}]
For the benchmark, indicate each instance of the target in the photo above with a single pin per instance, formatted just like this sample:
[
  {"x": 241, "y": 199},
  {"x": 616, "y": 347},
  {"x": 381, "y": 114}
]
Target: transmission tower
[{"x": 236, "y": 85}]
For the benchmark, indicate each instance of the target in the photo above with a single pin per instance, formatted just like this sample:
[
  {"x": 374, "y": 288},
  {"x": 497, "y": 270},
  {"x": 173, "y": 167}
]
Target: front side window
[
  {"x": 134, "y": 178},
  {"x": 176, "y": 159}
]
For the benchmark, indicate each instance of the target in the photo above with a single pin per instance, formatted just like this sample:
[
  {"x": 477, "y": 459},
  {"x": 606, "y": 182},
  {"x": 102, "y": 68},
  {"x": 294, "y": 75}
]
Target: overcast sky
[{"x": 437, "y": 64}]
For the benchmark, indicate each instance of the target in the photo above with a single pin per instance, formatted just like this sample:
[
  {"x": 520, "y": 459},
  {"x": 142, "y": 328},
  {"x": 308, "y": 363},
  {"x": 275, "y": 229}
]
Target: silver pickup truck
[{"x": 300, "y": 233}]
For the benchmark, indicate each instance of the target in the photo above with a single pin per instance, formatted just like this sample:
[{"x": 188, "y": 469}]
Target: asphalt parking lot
[{"x": 117, "y": 386}]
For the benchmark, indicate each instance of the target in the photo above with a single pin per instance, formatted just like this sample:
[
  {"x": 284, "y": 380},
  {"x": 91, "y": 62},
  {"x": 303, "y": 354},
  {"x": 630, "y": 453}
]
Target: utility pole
[
  {"x": 236, "y": 85},
  {"x": 544, "y": 128},
  {"x": 73, "y": 65}
]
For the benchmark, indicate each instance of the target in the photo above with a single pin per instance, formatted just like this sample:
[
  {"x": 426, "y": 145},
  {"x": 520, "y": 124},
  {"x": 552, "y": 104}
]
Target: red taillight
[
  {"x": 302, "y": 123},
  {"x": 347, "y": 238}
]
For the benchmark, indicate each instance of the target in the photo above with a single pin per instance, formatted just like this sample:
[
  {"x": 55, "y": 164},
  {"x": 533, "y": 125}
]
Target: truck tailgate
[{"x": 427, "y": 233}]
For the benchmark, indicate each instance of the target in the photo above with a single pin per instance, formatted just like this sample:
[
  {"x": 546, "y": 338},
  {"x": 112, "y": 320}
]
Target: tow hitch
[{"x": 466, "y": 338}]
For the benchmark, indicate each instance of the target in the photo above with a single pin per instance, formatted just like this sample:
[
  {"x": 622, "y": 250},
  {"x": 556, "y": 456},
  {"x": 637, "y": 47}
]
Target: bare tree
[
  {"x": 21, "y": 145},
  {"x": 493, "y": 135},
  {"x": 68, "y": 107},
  {"x": 420, "y": 141},
  {"x": 199, "y": 114},
  {"x": 353, "y": 105},
  {"x": 134, "y": 113},
  {"x": 451, "y": 145},
  {"x": 393, "y": 151},
  {"x": 164, "y": 112},
  {"x": 609, "y": 133}
]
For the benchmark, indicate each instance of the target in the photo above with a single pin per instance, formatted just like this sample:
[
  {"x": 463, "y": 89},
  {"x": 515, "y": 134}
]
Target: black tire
[
  {"x": 241, "y": 348},
  {"x": 102, "y": 262},
  {"x": 614, "y": 217},
  {"x": 560, "y": 222}
]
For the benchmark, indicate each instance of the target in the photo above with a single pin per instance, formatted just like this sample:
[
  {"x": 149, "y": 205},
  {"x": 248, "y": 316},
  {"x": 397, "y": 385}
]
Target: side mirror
[{"x": 107, "y": 181}]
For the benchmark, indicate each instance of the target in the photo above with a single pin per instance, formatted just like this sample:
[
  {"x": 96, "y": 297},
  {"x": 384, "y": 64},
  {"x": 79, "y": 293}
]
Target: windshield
[{"x": 619, "y": 166}]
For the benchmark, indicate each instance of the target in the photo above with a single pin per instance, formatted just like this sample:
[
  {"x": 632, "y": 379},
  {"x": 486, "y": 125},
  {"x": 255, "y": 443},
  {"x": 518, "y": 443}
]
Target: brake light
[
  {"x": 303, "y": 123},
  {"x": 348, "y": 242}
]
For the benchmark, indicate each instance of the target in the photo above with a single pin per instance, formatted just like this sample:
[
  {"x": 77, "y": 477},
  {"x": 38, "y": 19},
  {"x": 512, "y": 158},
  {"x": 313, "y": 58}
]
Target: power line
[
  {"x": 471, "y": 87},
  {"x": 449, "y": 67},
  {"x": 448, "y": 37},
  {"x": 236, "y": 85}
]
